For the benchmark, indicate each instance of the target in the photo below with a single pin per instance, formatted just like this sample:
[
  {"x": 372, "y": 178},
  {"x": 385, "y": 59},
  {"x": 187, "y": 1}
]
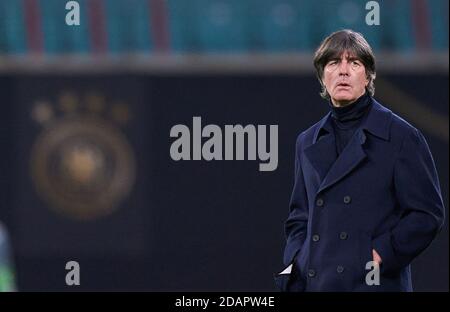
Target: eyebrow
[{"x": 350, "y": 58}]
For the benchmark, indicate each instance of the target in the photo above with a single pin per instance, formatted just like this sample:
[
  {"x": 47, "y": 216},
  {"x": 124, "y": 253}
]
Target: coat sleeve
[
  {"x": 419, "y": 198},
  {"x": 297, "y": 221}
]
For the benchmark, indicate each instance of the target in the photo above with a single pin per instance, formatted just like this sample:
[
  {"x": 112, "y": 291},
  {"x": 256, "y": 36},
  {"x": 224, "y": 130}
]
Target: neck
[
  {"x": 341, "y": 103},
  {"x": 345, "y": 102},
  {"x": 353, "y": 110}
]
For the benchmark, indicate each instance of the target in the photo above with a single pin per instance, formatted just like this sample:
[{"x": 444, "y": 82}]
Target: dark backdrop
[{"x": 188, "y": 225}]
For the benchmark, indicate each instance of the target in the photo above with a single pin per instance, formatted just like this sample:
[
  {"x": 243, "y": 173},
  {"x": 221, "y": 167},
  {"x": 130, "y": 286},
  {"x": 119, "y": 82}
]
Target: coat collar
[
  {"x": 377, "y": 122},
  {"x": 322, "y": 153}
]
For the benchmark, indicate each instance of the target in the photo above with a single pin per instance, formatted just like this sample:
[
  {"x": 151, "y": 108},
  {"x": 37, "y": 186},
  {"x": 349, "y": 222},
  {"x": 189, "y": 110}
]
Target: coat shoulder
[
  {"x": 399, "y": 127},
  {"x": 401, "y": 124}
]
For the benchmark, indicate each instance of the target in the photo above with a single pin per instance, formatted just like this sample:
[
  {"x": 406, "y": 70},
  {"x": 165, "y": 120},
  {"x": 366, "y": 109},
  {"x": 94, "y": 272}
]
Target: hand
[{"x": 376, "y": 257}]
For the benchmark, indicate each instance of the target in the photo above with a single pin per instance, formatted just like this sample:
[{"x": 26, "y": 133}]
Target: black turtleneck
[{"x": 347, "y": 119}]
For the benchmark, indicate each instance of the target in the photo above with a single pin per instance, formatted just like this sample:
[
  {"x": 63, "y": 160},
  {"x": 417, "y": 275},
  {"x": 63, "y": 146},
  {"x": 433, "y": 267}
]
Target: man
[{"x": 366, "y": 191}]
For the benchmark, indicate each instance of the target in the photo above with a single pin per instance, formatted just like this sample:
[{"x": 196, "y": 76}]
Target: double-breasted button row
[
  {"x": 311, "y": 273},
  {"x": 342, "y": 236},
  {"x": 320, "y": 202}
]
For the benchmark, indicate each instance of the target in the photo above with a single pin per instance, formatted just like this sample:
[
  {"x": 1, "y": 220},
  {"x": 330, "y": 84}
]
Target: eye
[
  {"x": 356, "y": 63},
  {"x": 332, "y": 63}
]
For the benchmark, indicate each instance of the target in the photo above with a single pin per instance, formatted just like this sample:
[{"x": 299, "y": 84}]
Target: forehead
[{"x": 345, "y": 54}]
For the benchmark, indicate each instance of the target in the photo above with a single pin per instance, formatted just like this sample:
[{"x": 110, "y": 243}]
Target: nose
[{"x": 343, "y": 68}]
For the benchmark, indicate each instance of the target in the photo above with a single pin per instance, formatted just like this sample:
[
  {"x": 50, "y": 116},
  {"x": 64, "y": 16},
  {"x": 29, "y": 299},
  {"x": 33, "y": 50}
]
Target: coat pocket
[
  {"x": 365, "y": 254},
  {"x": 289, "y": 282},
  {"x": 365, "y": 249},
  {"x": 282, "y": 281}
]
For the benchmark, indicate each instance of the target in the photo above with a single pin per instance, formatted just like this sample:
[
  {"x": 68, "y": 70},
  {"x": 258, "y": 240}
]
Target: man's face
[{"x": 345, "y": 79}]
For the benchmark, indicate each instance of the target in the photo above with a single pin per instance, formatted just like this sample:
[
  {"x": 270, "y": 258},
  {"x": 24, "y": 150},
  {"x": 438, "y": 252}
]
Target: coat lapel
[
  {"x": 322, "y": 153},
  {"x": 352, "y": 155}
]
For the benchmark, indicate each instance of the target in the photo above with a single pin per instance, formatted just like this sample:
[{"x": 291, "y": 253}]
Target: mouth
[{"x": 343, "y": 85}]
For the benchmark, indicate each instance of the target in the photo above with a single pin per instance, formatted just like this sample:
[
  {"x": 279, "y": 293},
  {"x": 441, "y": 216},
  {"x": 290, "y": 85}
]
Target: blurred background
[{"x": 86, "y": 112}]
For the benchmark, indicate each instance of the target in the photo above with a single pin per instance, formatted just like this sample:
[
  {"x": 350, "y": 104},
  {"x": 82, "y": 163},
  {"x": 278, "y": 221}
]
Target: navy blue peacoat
[{"x": 382, "y": 192}]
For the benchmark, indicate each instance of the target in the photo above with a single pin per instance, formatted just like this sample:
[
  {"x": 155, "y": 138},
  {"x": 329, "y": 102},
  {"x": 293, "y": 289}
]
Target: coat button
[
  {"x": 311, "y": 273},
  {"x": 319, "y": 202},
  {"x": 340, "y": 269},
  {"x": 316, "y": 238},
  {"x": 343, "y": 235},
  {"x": 347, "y": 199}
]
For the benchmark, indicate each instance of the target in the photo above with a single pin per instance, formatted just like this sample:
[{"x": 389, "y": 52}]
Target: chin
[{"x": 344, "y": 98}]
